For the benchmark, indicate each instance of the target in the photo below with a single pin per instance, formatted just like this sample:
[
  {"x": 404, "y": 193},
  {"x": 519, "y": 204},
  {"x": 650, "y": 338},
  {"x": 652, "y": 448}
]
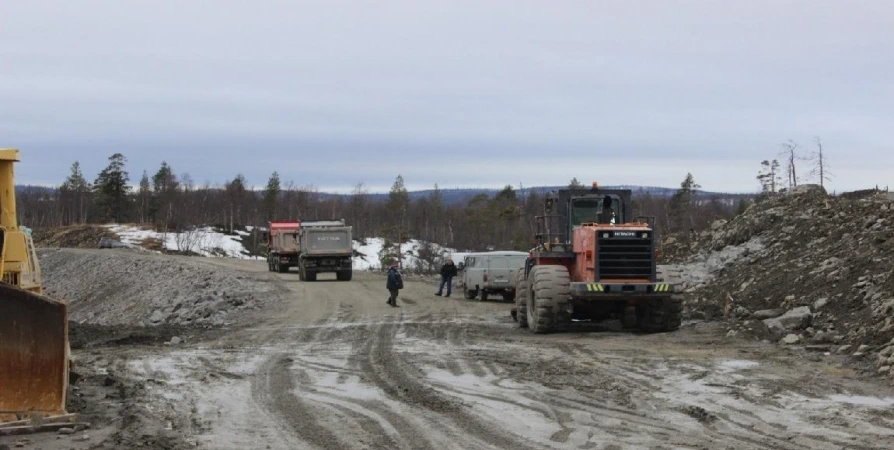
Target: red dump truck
[{"x": 314, "y": 247}]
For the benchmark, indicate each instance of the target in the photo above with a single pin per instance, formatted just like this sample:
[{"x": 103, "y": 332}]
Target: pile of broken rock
[{"x": 801, "y": 268}]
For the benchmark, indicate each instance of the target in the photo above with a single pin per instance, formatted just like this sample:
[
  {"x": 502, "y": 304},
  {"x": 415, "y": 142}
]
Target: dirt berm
[
  {"x": 126, "y": 287},
  {"x": 801, "y": 268}
]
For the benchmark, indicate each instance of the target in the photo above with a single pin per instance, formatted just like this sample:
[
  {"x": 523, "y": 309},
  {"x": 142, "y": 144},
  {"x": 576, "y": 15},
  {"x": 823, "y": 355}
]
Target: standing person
[
  {"x": 448, "y": 271},
  {"x": 395, "y": 284}
]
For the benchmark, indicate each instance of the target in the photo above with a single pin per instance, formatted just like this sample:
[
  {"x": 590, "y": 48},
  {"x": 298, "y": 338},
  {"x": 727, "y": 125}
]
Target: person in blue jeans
[{"x": 448, "y": 271}]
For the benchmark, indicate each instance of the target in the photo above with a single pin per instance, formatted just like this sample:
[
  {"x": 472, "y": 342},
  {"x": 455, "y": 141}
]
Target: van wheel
[
  {"x": 483, "y": 296},
  {"x": 470, "y": 294},
  {"x": 509, "y": 296}
]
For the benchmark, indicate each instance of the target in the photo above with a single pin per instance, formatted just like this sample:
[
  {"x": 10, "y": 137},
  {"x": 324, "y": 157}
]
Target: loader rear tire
[
  {"x": 548, "y": 302},
  {"x": 662, "y": 315},
  {"x": 521, "y": 299}
]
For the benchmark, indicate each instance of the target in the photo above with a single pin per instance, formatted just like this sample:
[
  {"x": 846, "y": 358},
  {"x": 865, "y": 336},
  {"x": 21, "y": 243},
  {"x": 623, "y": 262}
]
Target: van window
[{"x": 499, "y": 262}]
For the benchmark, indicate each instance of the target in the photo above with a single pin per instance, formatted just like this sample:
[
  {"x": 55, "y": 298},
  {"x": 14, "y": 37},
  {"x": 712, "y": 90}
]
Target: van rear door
[{"x": 499, "y": 273}]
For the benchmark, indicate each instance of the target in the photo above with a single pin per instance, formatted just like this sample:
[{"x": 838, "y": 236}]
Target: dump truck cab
[{"x": 600, "y": 262}]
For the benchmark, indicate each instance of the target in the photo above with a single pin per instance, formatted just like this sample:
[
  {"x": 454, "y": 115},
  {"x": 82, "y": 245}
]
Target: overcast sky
[{"x": 463, "y": 93}]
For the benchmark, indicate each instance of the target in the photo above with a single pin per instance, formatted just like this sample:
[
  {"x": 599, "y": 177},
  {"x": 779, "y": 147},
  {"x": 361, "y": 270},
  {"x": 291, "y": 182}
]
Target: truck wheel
[
  {"x": 283, "y": 268},
  {"x": 302, "y": 272},
  {"x": 662, "y": 315},
  {"x": 508, "y": 296},
  {"x": 470, "y": 294},
  {"x": 310, "y": 276},
  {"x": 628, "y": 318},
  {"x": 344, "y": 275},
  {"x": 521, "y": 299},
  {"x": 547, "y": 306}
]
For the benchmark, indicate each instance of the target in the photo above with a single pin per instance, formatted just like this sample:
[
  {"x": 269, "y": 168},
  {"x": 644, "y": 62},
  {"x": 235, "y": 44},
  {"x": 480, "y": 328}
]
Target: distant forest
[{"x": 460, "y": 218}]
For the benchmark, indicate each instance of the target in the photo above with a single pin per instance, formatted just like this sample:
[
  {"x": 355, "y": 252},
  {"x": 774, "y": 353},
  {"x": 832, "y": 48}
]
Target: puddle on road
[
  {"x": 863, "y": 400},
  {"x": 737, "y": 364}
]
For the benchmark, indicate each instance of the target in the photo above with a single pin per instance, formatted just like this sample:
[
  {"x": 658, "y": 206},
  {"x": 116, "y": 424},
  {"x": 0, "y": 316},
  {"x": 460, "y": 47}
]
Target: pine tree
[
  {"x": 165, "y": 186},
  {"x": 768, "y": 177},
  {"x": 574, "y": 184},
  {"x": 76, "y": 191},
  {"x": 111, "y": 189},
  {"x": 271, "y": 196},
  {"x": 682, "y": 204},
  {"x": 398, "y": 204},
  {"x": 144, "y": 197}
]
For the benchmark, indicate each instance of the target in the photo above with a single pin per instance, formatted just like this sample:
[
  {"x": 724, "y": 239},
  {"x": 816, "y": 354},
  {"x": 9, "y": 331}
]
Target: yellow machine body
[{"x": 34, "y": 350}]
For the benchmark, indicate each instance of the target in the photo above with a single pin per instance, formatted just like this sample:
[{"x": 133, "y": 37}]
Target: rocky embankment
[
  {"x": 802, "y": 268},
  {"x": 125, "y": 287}
]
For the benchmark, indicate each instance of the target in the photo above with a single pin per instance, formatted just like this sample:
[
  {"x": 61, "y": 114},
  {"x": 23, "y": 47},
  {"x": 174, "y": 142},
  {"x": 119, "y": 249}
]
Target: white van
[{"x": 491, "y": 273}]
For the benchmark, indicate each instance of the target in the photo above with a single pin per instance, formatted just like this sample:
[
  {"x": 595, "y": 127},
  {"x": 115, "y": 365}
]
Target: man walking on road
[
  {"x": 395, "y": 284},
  {"x": 448, "y": 271}
]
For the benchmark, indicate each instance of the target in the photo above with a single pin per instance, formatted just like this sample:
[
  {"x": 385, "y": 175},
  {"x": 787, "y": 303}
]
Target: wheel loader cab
[{"x": 595, "y": 209}]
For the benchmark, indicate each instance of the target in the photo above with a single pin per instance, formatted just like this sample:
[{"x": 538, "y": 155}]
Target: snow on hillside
[
  {"x": 368, "y": 254},
  {"x": 205, "y": 241}
]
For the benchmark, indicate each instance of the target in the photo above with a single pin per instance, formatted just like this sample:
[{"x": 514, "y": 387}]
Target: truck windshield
[{"x": 592, "y": 210}]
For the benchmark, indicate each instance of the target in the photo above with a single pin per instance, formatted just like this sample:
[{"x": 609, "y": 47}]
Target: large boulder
[
  {"x": 796, "y": 319},
  {"x": 765, "y": 314},
  {"x": 808, "y": 189}
]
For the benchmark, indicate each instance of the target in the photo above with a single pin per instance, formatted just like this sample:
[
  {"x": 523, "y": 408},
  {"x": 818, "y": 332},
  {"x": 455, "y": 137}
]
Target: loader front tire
[
  {"x": 521, "y": 299},
  {"x": 662, "y": 315},
  {"x": 548, "y": 301}
]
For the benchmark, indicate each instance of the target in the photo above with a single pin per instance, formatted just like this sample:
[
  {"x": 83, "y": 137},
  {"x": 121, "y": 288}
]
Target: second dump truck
[{"x": 313, "y": 247}]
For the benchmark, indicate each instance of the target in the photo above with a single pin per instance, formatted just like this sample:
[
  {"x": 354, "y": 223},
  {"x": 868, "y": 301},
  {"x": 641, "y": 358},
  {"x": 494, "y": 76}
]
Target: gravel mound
[
  {"x": 829, "y": 258},
  {"x": 124, "y": 287}
]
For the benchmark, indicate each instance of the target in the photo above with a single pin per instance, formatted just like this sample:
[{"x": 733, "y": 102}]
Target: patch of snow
[
  {"x": 863, "y": 400},
  {"x": 206, "y": 241},
  {"x": 737, "y": 364},
  {"x": 368, "y": 253}
]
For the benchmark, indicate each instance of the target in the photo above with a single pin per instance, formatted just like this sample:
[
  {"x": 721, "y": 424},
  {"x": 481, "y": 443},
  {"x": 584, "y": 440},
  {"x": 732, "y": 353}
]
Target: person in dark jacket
[
  {"x": 395, "y": 284},
  {"x": 448, "y": 271}
]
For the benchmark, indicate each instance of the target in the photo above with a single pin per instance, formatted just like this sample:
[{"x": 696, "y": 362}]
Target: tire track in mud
[{"x": 391, "y": 373}]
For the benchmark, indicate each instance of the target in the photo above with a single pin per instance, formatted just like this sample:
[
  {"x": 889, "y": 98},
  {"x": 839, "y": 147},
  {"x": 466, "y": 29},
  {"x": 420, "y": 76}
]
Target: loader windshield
[{"x": 595, "y": 210}]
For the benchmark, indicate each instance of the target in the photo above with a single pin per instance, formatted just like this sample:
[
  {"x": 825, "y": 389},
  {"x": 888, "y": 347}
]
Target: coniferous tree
[
  {"x": 271, "y": 196},
  {"x": 111, "y": 189},
  {"x": 397, "y": 206},
  {"x": 144, "y": 198},
  {"x": 75, "y": 192},
  {"x": 165, "y": 186},
  {"x": 682, "y": 205}
]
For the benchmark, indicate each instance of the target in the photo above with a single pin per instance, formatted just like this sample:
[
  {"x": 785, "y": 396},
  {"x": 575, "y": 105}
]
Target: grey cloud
[{"x": 334, "y": 93}]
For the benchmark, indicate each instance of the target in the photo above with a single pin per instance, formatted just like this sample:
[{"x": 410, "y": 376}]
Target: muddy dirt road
[{"x": 334, "y": 367}]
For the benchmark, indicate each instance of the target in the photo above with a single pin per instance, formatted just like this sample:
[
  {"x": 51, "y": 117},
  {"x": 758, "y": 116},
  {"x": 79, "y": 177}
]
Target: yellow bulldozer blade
[{"x": 34, "y": 354}]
